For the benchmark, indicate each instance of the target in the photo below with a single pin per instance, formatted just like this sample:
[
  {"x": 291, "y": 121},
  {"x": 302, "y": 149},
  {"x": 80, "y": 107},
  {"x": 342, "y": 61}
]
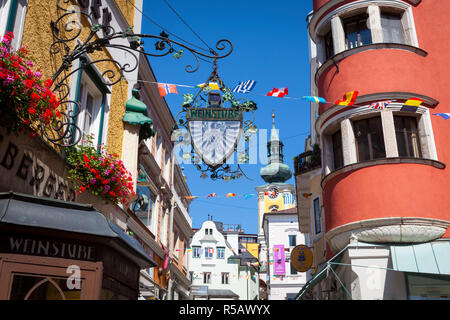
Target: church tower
[{"x": 276, "y": 195}]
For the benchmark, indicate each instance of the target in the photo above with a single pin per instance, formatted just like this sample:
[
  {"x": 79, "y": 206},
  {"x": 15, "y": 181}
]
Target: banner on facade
[{"x": 279, "y": 265}]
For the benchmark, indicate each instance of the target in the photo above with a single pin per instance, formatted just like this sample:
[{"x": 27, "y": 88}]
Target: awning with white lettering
[{"x": 36, "y": 213}]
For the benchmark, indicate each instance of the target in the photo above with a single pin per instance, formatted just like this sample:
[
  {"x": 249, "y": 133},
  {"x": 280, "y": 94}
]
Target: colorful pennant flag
[
  {"x": 229, "y": 195},
  {"x": 411, "y": 105},
  {"x": 191, "y": 197},
  {"x": 348, "y": 100},
  {"x": 278, "y": 92},
  {"x": 165, "y": 88},
  {"x": 211, "y": 85},
  {"x": 245, "y": 87},
  {"x": 314, "y": 99},
  {"x": 248, "y": 196},
  {"x": 306, "y": 195},
  {"x": 379, "y": 105},
  {"x": 446, "y": 116},
  {"x": 212, "y": 195}
]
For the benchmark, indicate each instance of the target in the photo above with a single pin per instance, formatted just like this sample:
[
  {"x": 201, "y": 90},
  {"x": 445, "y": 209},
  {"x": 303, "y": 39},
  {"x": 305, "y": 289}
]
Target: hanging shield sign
[{"x": 214, "y": 133}]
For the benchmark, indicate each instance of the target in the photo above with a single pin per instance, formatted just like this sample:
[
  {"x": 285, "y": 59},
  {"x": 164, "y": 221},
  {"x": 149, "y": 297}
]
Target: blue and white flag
[
  {"x": 446, "y": 116},
  {"x": 245, "y": 87},
  {"x": 288, "y": 198}
]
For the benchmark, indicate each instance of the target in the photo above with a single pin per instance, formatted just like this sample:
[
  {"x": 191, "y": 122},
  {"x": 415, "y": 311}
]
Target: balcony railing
[{"x": 308, "y": 161}]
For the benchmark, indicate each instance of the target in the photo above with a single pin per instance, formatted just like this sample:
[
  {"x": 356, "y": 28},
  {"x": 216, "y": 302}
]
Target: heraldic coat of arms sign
[
  {"x": 215, "y": 130},
  {"x": 214, "y": 133}
]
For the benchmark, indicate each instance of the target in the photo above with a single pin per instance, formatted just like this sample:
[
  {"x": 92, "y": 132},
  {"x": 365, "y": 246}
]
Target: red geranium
[
  {"x": 28, "y": 98},
  {"x": 102, "y": 174}
]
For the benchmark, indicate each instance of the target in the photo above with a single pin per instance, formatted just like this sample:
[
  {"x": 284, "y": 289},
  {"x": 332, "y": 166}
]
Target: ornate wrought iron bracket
[{"x": 68, "y": 30}]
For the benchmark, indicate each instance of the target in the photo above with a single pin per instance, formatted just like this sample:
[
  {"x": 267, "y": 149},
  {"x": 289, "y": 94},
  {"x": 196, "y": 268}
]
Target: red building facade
[{"x": 385, "y": 175}]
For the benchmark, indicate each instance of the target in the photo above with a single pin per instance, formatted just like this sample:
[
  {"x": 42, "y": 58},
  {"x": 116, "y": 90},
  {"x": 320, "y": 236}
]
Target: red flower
[
  {"x": 86, "y": 158},
  {"x": 105, "y": 181},
  {"x": 82, "y": 189},
  {"x": 35, "y": 96},
  {"x": 31, "y": 110},
  {"x": 48, "y": 83},
  {"x": 29, "y": 83},
  {"x": 10, "y": 34},
  {"x": 112, "y": 193}
]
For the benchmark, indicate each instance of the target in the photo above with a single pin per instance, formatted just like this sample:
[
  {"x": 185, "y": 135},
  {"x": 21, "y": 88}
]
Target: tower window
[
  {"x": 393, "y": 31},
  {"x": 337, "y": 150},
  {"x": 407, "y": 135},
  {"x": 370, "y": 139},
  {"x": 329, "y": 46},
  {"x": 356, "y": 31}
]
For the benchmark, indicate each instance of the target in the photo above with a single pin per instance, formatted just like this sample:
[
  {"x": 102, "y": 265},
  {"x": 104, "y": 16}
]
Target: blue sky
[{"x": 270, "y": 46}]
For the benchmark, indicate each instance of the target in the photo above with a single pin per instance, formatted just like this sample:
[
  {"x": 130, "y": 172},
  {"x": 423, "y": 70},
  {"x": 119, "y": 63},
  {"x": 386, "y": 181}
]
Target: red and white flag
[
  {"x": 165, "y": 88},
  {"x": 278, "y": 92}
]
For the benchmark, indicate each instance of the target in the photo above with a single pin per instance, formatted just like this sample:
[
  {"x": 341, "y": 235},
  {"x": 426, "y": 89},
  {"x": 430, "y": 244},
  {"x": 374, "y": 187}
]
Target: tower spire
[{"x": 276, "y": 171}]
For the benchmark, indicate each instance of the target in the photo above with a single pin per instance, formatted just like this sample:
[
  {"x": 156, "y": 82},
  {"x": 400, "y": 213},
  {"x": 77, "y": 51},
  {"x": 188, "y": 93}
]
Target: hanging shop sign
[
  {"x": 214, "y": 132},
  {"x": 301, "y": 258}
]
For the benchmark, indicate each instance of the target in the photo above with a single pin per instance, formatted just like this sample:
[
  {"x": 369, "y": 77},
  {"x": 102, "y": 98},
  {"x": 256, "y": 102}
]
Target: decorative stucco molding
[{"x": 388, "y": 230}]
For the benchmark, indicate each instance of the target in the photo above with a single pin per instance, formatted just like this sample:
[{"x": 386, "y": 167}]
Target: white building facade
[
  {"x": 282, "y": 235},
  {"x": 216, "y": 270}
]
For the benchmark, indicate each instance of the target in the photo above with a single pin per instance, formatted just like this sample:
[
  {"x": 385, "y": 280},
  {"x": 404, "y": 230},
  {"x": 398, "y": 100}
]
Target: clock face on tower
[{"x": 273, "y": 193}]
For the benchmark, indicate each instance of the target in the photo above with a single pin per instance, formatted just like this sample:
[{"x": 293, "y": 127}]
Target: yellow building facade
[{"x": 37, "y": 37}]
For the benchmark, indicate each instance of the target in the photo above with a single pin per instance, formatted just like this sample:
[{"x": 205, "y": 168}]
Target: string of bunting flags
[
  {"x": 214, "y": 195},
  {"x": 234, "y": 195},
  {"x": 246, "y": 87}
]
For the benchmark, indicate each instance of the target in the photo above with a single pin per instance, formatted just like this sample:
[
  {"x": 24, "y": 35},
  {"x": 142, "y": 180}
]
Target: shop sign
[
  {"x": 301, "y": 258},
  {"x": 214, "y": 132},
  {"x": 47, "y": 248},
  {"x": 24, "y": 170}
]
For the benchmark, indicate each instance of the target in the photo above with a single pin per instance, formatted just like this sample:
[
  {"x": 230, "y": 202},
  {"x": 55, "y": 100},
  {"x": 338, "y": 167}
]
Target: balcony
[{"x": 308, "y": 161}]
